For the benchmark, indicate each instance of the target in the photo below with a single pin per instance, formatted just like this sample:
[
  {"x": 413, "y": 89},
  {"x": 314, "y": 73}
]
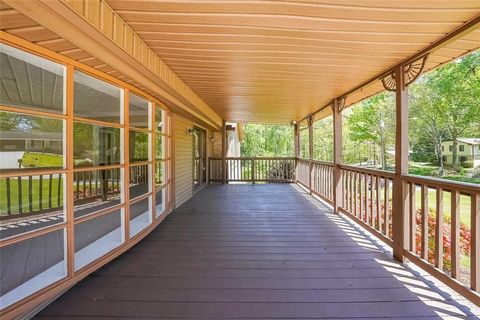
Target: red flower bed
[{"x": 465, "y": 239}]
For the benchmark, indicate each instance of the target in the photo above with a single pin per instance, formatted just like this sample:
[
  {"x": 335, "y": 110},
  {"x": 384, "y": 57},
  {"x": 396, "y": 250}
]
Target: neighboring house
[
  {"x": 468, "y": 149},
  {"x": 49, "y": 142}
]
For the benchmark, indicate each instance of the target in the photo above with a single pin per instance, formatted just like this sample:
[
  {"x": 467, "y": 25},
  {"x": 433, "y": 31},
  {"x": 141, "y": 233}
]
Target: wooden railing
[
  {"x": 39, "y": 194},
  {"x": 246, "y": 169},
  {"x": 440, "y": 239},
  {"x": 317, "y": 176},
  {"x": 436, "y": 238},
  {"x": 303, "y": 172},
  {"x": 367, "y": 196}
]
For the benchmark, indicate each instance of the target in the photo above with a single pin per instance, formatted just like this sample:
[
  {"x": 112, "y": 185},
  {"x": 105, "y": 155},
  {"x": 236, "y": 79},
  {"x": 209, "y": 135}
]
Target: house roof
[{"x": 472, "y": 141}]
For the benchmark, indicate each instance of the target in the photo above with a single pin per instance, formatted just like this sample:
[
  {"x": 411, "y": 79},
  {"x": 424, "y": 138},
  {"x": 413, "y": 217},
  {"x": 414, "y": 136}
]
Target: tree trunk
[{"x": 438, "y": 148}]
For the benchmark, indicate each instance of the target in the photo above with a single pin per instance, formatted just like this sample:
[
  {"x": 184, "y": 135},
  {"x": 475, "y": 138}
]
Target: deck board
[{"x": 245, "y": 252}]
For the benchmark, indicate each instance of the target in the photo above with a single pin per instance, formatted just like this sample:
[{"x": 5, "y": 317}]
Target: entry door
[{"x": 199, "y": 157}]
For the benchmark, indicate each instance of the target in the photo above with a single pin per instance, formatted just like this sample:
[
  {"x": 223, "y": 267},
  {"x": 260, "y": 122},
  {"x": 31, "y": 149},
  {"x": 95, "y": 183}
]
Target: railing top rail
[
  {"x": 470, "y": 188},
  {"x": 375, "y": 172},
  {"x": 253, "y": 158},
  {"x": 326, "y": 163}
]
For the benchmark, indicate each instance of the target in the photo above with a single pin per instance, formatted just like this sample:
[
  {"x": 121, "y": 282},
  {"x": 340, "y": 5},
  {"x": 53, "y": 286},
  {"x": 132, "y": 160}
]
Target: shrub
[{"x": 467, "y": 164}]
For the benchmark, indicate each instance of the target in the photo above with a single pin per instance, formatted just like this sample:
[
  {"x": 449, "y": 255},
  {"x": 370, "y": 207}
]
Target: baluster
[
  {"x": 20, "y": 197},
  {"x": 455, "y": 233},
  {"x": 59, "y": 190},
  {"x": 413, "y": 218},
  {"x": 386, "y": 208},
  {"x": 84, "y": 185},
  {"x": 77, "y": 186},
  {"x": 40, "y": 192},
  {"x": 96, "y": 182},
  {"x": 360, "y": 192},
  {"x": 355, "y": 211},
  {"x": 424, "y": 209},
  {"x": 30, "y": 195},
  {"x": 9, "y": 204},
  {"x": 50, "y": 191},
  {"x": 439, "y": 229},
  {"x": 365, "y": 187},
  {"x": 475, "y": 242}
]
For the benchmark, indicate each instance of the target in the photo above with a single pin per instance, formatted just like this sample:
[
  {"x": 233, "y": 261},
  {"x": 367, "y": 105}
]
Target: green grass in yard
[
  {"x": 462, "y": 179},
  {"x": 33, "y": 159},
  {"x": 432, "y": 199},
  {"x": 14, "y": 206}
]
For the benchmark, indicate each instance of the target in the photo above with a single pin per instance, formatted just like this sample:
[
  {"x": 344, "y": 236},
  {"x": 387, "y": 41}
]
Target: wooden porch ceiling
[
  {"x": 280, "y": 60},
  {"x": 275, "y": 60}
]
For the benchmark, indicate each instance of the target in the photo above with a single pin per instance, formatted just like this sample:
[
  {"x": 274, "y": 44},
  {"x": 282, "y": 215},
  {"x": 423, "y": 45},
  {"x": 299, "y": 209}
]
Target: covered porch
[
  {"x": 258, "y": 251},
  {"x": 132, "y": 206}
]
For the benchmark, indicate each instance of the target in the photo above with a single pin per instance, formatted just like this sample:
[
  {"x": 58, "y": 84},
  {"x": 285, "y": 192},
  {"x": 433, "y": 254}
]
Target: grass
[
  {"x": 35, "y": 194},
  {"x": 432, "y": 199},
  {"x": 35, "y": 160}
]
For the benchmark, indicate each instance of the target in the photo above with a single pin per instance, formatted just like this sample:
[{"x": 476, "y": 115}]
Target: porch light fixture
[{"x": 190, "y": 131}]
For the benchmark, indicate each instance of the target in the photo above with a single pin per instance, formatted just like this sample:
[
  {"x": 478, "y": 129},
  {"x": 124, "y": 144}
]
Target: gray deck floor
[{"x": 255, "y": 252}]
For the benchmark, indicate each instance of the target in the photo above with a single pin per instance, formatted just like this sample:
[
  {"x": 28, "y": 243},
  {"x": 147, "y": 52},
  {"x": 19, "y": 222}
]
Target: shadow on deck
[{"x": 263, "y": 251}]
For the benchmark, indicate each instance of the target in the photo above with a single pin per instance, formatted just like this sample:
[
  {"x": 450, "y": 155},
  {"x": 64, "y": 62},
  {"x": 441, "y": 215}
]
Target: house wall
[
  {"x": 183, "y": 145},
  {"x": 467, "y": 151}
]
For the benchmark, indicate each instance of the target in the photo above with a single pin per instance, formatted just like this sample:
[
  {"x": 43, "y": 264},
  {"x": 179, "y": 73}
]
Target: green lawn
[
  {"x": 429, "y": 171},
  {"x": 34, "y": 159},
  {"x": 432, "y": 199},
  {"x": 35, "y": 194}
]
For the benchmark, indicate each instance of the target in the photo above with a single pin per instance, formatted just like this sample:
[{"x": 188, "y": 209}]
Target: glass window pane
[
  {"x": 160, "y": 202},
  {"x": 96, "y": 99},
  {"x": 139, "y": 180},
  {"x": 139, "y": 146},
  {"x": 159, "y": 173},
  {"x": 95, "y": 145},
  {"x": 96, "y": 190},
  {"x": 159, "y": 145},
  {"x": 96, "y": 237},
  {"x": 140, "y": 216},
  {"x": 159, "y": 127},
  {"x": 30, "y": 203},
  {"x": 41, "y": 261},
  {"x": 30, "y": 141},
  {"x": 29, "y": 81},
  {"x": 138, "y": 111}
]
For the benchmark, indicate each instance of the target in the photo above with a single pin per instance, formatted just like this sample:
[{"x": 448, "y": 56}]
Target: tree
[
  {"x": 372, "y": 121},
  {"x": 267, "y": 140},
  {"x": 445, "y": 105},
  {"x": 323, "y": 139}
]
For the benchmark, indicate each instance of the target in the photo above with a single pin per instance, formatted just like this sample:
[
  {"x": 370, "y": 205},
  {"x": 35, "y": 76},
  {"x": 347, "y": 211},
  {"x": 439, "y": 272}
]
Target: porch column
[
  {"x": 296, "y": 147},
  {"x": 400, "y": 190},
  {"x": 337, "y": 156},
  {"x": 224, "y": 151},
  {"x": 310, "y": 152}
]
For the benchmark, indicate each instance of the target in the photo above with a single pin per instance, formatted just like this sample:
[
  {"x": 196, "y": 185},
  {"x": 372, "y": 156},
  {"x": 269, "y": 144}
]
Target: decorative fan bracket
[{"x": 411, "y": 72}]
